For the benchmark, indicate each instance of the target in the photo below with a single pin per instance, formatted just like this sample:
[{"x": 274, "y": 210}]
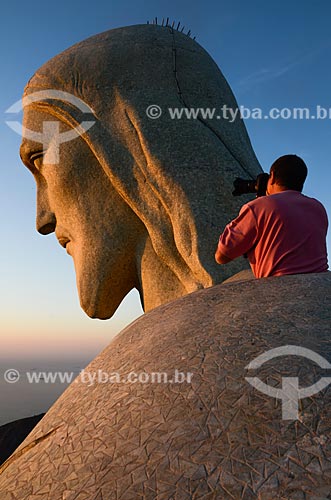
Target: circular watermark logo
[
  {"x": 50, "y": 137},
  {"x": 289, "y": 393}
]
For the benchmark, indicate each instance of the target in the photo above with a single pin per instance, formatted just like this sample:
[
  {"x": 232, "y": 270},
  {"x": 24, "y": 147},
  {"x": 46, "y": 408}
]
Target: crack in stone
[
  {"x": 26, "y": 448},
  {"x": 201, "y": 120}
]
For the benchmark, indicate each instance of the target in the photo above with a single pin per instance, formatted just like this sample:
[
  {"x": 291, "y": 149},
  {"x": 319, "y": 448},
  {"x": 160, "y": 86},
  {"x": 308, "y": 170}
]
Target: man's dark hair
[{"x": 290, "y": 171}]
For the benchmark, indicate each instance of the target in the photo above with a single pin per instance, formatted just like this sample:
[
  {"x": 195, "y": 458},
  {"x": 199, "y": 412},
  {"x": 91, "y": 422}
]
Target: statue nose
[{"x": 46, "y": 222}]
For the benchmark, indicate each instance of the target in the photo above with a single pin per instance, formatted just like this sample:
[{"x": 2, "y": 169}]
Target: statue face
[{"x": 76, "y": 201}]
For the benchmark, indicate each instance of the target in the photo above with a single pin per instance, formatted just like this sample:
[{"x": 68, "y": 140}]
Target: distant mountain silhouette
[{"x": 14, "y": 433}]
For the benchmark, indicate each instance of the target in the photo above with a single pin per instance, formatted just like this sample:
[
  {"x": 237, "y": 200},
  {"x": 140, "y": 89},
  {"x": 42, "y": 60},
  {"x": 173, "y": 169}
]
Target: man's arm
[
  {"x": 238, "y": 237},
  {"x": 221, "y": 258}
]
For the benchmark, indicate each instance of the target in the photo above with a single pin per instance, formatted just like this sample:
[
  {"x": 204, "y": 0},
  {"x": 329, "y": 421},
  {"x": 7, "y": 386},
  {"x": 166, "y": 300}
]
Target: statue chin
[
  {"x": 96, "y": 298},
  {"x": 95, "y": 312},
  {"x": 97, "y": 307},
  {"x": 103, "y": 278}
]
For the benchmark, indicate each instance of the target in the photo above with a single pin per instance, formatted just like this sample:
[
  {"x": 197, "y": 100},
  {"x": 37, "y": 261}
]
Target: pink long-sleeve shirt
[{"x": 284, "y": 233}]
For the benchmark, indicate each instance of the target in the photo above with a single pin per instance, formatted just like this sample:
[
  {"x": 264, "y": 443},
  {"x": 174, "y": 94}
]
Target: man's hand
[{"x": 221, "y": 258}]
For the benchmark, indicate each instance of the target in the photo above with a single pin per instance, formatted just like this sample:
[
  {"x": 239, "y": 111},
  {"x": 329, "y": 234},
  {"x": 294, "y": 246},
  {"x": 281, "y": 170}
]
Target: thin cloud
[
  {"x": 267, "y": 74},
  {"x": 264, "y": 75}
]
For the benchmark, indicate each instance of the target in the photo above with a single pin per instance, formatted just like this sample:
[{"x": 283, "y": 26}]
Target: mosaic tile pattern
[{"x": 214, "y": 438}]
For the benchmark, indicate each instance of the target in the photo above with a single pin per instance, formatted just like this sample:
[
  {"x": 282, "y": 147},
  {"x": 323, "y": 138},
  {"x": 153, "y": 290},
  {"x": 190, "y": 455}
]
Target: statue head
[{"x": 138, "y": 202}]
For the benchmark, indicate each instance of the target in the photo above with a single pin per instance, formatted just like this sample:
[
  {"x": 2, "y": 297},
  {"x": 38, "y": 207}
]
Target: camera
[{"x": 245, "y": 186}]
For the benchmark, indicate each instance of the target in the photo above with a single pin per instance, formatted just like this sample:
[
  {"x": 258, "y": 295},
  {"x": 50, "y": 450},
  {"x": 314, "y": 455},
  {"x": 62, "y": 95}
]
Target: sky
[{"x": 274, "y": 54}]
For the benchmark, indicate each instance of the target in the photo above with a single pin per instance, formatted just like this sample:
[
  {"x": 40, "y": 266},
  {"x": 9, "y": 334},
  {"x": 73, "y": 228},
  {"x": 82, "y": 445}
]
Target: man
[{"x": 281, "y": 233}]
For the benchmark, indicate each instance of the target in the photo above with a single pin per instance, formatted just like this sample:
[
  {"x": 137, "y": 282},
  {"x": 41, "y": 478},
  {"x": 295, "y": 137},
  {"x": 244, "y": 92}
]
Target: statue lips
[
  {"x": 67, "y": 248},
  {"x": 64, "y": 240}
]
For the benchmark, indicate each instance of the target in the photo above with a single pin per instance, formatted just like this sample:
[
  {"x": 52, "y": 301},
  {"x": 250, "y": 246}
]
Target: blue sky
[{"x": 272, "y": 54}]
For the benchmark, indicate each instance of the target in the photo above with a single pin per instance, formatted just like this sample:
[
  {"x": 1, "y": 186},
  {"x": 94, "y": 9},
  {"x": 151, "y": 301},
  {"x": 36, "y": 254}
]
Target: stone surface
[
  {"x": 142, "y": 201},
  {"x": 216, "y": 437},
  {"x": 244, "y": 275}
]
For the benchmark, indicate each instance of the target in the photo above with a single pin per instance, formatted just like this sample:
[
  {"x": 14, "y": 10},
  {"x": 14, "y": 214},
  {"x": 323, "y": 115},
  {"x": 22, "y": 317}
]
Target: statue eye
[{"x": 34, "y": 157}]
